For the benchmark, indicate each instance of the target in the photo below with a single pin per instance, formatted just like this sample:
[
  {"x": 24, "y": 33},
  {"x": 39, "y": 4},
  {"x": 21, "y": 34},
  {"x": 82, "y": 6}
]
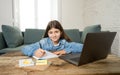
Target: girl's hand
[
  {"x": 39, "y": 53},
  {"x": 61, "y": 52}
]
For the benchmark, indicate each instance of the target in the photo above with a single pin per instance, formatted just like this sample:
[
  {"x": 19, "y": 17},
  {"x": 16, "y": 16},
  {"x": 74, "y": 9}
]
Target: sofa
[{"x": 12, "y": 39}]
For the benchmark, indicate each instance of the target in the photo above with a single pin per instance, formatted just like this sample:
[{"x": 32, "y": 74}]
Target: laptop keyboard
[{"x": 75, "y": 59}]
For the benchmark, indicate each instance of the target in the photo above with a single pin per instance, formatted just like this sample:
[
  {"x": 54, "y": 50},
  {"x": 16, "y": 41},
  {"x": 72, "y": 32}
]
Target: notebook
[
  {"x": 47, "y": 55},
  {"x": 96, "y": 46}
]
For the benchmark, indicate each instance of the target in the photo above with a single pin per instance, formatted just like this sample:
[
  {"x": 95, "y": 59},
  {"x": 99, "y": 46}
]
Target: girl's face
[{"x": 54, "y": 34}]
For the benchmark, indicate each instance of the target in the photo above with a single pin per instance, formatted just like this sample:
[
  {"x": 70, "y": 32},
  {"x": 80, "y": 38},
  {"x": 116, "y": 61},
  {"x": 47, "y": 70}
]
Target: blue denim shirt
[{"x": 46, "y": 44}]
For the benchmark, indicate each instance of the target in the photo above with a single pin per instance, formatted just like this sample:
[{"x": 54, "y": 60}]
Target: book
[{"x": 47, "y": 55}]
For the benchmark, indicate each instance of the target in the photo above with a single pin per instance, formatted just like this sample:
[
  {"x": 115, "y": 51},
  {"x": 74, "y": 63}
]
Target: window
[{"x": 35, "y": 13}]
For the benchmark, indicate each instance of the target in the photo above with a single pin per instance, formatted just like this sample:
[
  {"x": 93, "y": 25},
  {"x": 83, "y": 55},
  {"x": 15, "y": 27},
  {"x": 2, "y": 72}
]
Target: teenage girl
[{"x": 54, "y": 40}]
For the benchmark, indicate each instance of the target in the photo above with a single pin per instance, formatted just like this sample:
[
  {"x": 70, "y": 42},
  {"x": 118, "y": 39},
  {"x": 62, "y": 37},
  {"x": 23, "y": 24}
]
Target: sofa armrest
[
  {"x": 80, "y": 32},
  {"x": 2, "y": 41}
]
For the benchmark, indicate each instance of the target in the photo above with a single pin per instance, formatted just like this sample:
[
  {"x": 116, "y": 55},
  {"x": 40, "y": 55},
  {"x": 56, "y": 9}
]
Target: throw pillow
[
  {"x": 13, "y": 36},
  {"x": 73, "y": 34},
  {"x": 88, "y": 29},
  {"x": 33, "y": 35}
]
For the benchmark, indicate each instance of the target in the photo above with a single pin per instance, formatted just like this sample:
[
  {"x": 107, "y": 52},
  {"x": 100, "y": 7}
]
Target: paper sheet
[{"x": 48, "y": 55}]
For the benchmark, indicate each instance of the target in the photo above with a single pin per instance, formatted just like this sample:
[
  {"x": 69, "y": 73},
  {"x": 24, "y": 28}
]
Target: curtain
[{"x": 35, "y": 13}]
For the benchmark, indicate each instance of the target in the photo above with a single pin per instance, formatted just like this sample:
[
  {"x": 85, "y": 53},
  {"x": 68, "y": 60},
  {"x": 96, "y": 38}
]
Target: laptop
[{"x": 96, "y": 46}]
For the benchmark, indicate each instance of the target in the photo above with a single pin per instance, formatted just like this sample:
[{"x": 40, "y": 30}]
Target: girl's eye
[
  {"x": 56, "y": 31},
  {"x": 50, "y": 32}
]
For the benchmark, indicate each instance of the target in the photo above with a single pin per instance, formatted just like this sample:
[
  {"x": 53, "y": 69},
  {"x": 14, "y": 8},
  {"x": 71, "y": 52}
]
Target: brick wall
[{"x": 106, "y": 13}]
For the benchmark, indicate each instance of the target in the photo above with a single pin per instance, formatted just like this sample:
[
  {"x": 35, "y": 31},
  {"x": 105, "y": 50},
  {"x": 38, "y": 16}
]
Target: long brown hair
[{"x": 57, "y": 25}]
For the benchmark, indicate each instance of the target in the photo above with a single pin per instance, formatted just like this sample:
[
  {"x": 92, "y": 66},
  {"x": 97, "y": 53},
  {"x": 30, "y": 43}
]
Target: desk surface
[{"x": 111, "y": 66}]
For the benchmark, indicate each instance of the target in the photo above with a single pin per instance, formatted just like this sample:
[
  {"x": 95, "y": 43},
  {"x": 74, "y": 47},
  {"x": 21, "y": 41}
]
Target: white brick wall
[
  {"x": 115, "y": 49},
  {"x": 106, "y": 13}
]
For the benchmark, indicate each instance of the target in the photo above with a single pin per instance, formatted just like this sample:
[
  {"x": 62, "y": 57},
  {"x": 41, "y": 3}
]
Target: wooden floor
[{"x": 109, "y": 66}]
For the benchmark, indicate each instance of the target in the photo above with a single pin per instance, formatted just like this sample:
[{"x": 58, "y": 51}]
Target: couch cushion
[
  {"x": 33, "y": 35},
  {"x": 6, "y": 50},
  {"x": 2, "y": 41},
  {"x": 88, "y": 29},
  {"x": 73, "y": 34},
  {"x": 12, "y": 35}
]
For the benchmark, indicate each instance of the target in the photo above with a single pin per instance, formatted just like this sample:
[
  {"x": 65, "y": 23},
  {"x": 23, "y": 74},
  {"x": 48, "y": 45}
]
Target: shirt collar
[{"x": 61, "y": 41}]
